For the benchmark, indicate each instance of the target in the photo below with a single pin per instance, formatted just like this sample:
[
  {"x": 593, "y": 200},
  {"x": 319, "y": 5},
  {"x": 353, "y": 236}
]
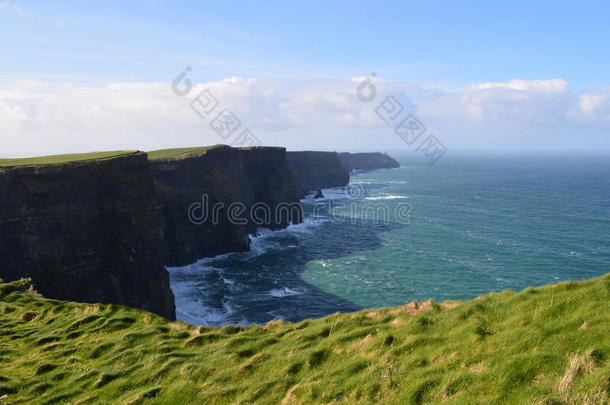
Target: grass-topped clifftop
[
  {"x": 62, "y": 159},
  {"x": 179, "y": 153},
  {"x": 176, "y": 153},
  {"x": 548, "y": 345},
  {"x": 162, "y": 154}
]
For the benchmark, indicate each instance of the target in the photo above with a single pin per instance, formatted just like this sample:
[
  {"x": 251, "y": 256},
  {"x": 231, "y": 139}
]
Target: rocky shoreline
[{"x": 101, "y": 230}]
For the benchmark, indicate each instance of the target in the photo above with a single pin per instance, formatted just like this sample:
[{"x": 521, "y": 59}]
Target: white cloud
[
  {"x": 14, "y": 8},
  {"x": 594, "y": 106},
  {"x": 40, "y": 117},
  {"x": 539, "y": 101},
  {"x": 546, "y": 86}
]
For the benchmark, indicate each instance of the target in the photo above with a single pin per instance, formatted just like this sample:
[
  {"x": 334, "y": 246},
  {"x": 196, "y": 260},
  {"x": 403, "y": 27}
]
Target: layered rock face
[
  {"x": 101, "y": 230},
  {"x": 317, "y": 170},
  {"x": 86, "y": 231},
  {"x": 213, "y": 200},
  {"x": 366, "y": 161}
]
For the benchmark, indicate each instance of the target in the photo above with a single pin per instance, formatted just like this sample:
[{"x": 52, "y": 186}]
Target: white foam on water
[
  {"x": 335, "y": 193},
  {"x": 260, "y": 243},
  {"x": 230, "y": 283},
  {"x": 189, "y": 307},
  {"x": 266, "y": 239},
  {"x": 387, "y": 197},
  {"x": 188, "y": 287},
  {"x": 285, "y": 292},
  {"x": 202, "y": 316}
]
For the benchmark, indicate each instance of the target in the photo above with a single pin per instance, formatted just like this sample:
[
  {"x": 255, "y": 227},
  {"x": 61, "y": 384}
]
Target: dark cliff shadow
[{"x": 265, "y": 283}]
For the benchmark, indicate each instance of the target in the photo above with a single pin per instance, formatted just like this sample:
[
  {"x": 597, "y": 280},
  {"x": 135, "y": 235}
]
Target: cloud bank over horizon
[{"x": 38, "y": 117}]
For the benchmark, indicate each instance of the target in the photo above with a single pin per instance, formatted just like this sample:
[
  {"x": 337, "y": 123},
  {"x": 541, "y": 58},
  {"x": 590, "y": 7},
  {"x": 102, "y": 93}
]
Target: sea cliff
[
  {"x": 85, "y": 230},
  {"x": 213, "y": 198},
  {"x": 100, "y": 227},
  {"x": 367, "y": 161},
  {"x": 317, "y": 170}
]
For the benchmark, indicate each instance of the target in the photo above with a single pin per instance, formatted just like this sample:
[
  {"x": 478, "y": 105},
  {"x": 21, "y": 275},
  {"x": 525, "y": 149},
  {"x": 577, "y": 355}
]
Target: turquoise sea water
[{"x": 468, "y": 225}]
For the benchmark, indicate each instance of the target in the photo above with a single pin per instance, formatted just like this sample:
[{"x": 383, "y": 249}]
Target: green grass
[
  {"x": 164, "y": 154},
  {"x": 179, "y": 153},
  {"x": 547, "y": 345},
  {"x": 59, "y": 159}
]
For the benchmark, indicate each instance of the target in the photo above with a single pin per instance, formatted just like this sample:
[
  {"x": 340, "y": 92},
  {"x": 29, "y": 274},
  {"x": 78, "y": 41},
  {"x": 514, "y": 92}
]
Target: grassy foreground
[{"x": 547, "y": 345}]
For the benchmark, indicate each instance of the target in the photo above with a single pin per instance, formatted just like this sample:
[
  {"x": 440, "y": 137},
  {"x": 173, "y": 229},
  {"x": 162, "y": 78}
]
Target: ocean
[{"x": 465, "y": 226}]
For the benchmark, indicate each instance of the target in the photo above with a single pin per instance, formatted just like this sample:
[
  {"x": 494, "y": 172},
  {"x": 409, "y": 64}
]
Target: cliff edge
[
  {"x": 99, "y": 227},
  {"x": 214, "y": 197},
  {"x": 85, "y": 228},
  {"x": 317, "y": 170},
  {"x": 367, "y": 161}
]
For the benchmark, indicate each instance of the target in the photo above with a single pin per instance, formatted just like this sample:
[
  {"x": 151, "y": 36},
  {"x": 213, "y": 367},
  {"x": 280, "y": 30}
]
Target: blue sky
[
  {"x": 446, "y": 42},
  {"x": 526, "y": 71}
]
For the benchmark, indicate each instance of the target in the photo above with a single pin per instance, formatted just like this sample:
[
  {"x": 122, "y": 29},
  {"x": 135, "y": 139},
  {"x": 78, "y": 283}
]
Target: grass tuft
[{"x": 528, "y": 347}]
